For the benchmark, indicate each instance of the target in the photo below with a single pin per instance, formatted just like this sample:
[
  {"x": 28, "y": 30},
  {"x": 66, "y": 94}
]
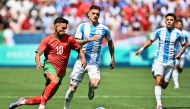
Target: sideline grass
[{"x": 125, "y": 88}]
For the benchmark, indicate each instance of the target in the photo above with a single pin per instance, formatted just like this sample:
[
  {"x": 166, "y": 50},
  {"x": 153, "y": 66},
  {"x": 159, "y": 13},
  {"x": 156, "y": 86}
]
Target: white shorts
[
  {"x": 164, "y": 70},
  {"x": 180, "y": 62},
  {"x": 78, "y": 72}
]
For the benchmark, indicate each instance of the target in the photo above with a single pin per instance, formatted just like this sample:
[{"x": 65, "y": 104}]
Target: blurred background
[{"x": 24, "y": 23}]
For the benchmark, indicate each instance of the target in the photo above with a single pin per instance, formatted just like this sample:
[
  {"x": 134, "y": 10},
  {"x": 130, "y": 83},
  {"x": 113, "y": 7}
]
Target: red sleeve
[
  {"x": 73, "y": 44},
  {"x": 42, "y": 46}
]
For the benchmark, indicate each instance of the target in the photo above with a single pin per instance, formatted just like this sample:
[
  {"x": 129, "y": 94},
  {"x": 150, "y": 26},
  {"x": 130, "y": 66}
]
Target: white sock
[
  {"x": 69, "y": 95},
  {"x": 66, "y": 105},
  {"x": 175, "y": 76},
  {"x": 41, "y": 106},
  {"x": 23, "y": 101},
  {"x": 158, "y": 91}
]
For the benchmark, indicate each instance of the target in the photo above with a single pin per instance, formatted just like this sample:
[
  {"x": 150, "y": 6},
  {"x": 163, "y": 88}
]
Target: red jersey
[{"x": 57, "y": 51}]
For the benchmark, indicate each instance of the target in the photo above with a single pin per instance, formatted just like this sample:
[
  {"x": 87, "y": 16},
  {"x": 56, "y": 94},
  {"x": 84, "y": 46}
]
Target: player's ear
[
  {"x": 54, "y": 27},
  {"x": 88, "y": 14}
]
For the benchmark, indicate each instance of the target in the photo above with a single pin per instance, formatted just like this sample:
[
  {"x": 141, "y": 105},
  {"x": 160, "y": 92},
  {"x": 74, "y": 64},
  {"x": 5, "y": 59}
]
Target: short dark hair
[
  {"x": 60, "y": 20},
  {"x": 95, "y": 7},
  {"x": 179, "y": 20},
  {"x": 171, "y": 14}
]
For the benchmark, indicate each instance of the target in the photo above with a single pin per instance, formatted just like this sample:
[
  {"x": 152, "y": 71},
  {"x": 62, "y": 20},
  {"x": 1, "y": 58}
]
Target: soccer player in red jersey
[{"x": 56, "y": 48}]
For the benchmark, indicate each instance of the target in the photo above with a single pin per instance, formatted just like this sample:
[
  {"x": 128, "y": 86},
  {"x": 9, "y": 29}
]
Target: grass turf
[{"x": 121, "y": 88}]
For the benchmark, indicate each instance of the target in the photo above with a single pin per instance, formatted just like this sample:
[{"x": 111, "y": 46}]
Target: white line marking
[{"x": 103, "y": 96}]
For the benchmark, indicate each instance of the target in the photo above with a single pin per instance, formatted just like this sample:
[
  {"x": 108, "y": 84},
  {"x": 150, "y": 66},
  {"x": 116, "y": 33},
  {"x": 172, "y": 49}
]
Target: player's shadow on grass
[{"x": 176, "y": 107}]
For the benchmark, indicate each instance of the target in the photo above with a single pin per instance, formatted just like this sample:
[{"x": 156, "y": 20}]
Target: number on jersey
[{"x": 59, "y": 49}]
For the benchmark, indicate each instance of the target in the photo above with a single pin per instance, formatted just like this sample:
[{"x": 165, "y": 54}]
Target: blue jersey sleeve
[
  {"x": 183, "y": 38},
  {"x": 155, "y": 35},
  {"x": 79, "y": 32}
]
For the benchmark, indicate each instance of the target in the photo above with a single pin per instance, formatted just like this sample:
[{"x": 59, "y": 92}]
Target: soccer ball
[{"x": 100, "y": 108}]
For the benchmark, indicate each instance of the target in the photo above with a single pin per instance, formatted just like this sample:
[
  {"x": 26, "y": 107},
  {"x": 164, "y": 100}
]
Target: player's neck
[
  {"x": 94, "y": 23},
  {"x": 170, "y": 28},
  {"x": 57, "y": 36}
]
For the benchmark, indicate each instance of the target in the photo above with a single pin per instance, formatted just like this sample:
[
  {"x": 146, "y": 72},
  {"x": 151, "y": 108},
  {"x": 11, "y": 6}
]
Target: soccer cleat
[
  {"x": 159, "y": 107},
  {"x": 16, "y": 104},
  {"x": 176, "y": 87},
  {"x": 90, "y": 92}
]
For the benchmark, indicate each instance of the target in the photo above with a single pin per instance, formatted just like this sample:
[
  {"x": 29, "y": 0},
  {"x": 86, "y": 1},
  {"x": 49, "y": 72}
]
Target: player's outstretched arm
[
  {"x": 81, "y": 42},
  {"x": 111, "y": 49},
  {"x": 184, "y": 46},
  {"x": 39, "y": 65},
  {"x": 147, "y": 44},
  {"x": 82, "y": 55},
  {"x": 94, "y": 38}
]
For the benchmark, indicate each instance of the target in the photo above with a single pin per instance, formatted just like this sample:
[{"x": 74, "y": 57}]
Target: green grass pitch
[{"x": 121, "y": 88}]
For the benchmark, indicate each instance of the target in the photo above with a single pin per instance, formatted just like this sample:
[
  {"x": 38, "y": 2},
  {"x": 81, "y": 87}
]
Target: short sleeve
[
  {"x": 155, "y": 35},
  {"x": 79, "y": 32},
  {"x": 183, "y": 39},
  {"x": 188, "y": 38},
  {"x": 185, "y": 34},
  {"x": 108, "y": 36},
  {"x": 73, "y": 44},
  {"x": 42, "y": 46}
]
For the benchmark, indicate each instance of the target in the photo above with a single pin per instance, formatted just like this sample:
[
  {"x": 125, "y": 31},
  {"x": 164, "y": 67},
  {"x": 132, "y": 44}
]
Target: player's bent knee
[
  {"x": 158, "y": 82},
  {"x": 55, "y": 81},
  {"x": 73, "y": 87}
]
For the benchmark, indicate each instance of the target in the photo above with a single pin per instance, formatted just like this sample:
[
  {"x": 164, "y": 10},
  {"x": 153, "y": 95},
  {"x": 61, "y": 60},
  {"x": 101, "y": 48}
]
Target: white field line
[{"x": 104, "y": 97}]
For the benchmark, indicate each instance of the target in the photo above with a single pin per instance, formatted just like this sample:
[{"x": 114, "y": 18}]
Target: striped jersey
[
  {"x": 167, "y": 44},
  {"x": 57, "y": 50},
  {"x": 92, "y": 49},
  {"x": 187, "y": 38}
]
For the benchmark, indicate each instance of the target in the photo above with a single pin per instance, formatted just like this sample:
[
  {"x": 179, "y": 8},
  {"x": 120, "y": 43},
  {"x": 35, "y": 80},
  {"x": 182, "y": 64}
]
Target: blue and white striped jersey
[
  {"x": 167, "y": 46},
  {"x": 92, "y": 49},
  {"x": 187, "y": 38}
]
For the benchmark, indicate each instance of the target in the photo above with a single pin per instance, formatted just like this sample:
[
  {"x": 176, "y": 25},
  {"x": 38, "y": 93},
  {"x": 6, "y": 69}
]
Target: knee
[
  {"x": 73, "y": 88},
  {"x": 159, "y": 82},
  {"x": 55, "y": 81}
]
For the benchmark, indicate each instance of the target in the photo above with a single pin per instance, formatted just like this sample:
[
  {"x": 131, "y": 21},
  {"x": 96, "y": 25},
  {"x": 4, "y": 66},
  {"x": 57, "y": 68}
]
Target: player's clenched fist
[{"x": 139, "y": 51}]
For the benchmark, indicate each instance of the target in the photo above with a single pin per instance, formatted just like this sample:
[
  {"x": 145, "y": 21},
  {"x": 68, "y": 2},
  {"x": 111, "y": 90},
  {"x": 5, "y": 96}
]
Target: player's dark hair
[
  {"x": 60, "y": 20},
  {"x": 171, "y": 14},
  {"x": 95, "y": 7},
  {"x": 179, "y": 20}
]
